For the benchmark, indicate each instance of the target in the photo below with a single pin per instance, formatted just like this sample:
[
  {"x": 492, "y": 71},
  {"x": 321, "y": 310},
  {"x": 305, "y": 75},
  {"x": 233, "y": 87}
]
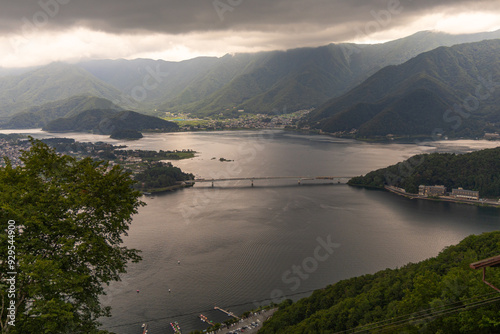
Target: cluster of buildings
[
  {"x": 492, "y": 136},
  {"x": 439, "y": 190},
  {"x": 245, "y": 121},
  {"x": 11, "y": 149}
]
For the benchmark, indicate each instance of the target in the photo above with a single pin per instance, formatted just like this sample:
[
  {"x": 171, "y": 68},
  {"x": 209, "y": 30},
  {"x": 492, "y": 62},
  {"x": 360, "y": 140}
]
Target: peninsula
[{"x": 472, "y": 178}]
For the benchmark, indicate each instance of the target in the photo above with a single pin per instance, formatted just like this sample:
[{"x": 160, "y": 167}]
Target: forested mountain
[
  {"x": 274, "y": 82},
  {"x": 148, "y": 83},
  {"x": 478, "y": 170},
  {"x": 51, "y": 83},
  {"x": 264, "y": 82},
  {"x": 105, "y": 121},
  {"x": 438, "y": 295},
  {"x": 14, "y": 71},
  {"x": 37, "y": 117},
  {"x": 455, "y": 90}
]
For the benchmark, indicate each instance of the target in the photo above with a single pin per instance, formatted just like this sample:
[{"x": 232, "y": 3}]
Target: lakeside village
[
  {"x": 439, "y": 192},
  {"x": 243, "y": 121},
  {"x": 135, "y": 161},
  {"x": 286, "y": 121}
]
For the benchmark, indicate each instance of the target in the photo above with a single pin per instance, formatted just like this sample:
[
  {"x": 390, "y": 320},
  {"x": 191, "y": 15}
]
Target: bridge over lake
[{"x": 252, "y": 179}]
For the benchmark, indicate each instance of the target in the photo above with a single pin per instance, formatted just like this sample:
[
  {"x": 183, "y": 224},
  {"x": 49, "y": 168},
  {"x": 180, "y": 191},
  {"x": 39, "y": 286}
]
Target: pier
[{"x": 231, "y": 314}]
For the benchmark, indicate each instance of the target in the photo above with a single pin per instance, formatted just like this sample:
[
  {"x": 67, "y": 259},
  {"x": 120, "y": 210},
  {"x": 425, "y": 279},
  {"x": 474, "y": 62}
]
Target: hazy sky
[{"x": 38, "y": 32}]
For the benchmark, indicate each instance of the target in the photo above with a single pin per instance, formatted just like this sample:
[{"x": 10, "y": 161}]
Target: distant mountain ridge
[
  {"x": 50, "y": 83},
  {"x": 273, "y": 82},
  {"x": 264, "y": 82},
  {"x": 452, "y": 89},
  {"x": 147, "y": 82}
]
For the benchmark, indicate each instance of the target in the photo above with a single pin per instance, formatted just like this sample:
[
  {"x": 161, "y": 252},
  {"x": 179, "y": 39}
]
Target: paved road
[
  {"x": 400, "y": 191},
  {"x": 259, "y": 318}
]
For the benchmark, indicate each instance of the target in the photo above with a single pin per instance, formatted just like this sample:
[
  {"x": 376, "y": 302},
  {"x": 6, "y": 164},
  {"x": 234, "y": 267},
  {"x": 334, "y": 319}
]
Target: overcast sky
[{"x": 36, "y": 32}]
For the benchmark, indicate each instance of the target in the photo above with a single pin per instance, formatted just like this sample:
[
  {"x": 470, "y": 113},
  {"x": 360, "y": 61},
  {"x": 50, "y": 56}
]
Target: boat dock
[
  {"x": 231, "y": 314},
  {"x": 205, "y": 319},
  {"x": 176, "y": 327}
]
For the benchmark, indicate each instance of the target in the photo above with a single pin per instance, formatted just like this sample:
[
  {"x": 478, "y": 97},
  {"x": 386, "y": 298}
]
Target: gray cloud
[
  {"x": 186, "y": 16},
  {"x": 36, "y": 32}
]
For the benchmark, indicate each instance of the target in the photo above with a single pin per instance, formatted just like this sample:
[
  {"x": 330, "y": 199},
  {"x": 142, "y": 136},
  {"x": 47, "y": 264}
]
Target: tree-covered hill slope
[
  {"x": 455, "y": 90},
  {"x": 105, "y": 121},
  {"x": 478, "y": 171},
  {"x": 439, "y": 295},
  {"x": 50, "y": 83}
]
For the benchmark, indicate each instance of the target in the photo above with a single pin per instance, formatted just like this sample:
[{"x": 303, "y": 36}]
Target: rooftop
[{"x": 490, "y": 262}]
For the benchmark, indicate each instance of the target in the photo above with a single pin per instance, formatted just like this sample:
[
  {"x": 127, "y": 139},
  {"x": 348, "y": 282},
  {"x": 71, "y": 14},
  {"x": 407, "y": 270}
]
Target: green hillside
[
  {"x": 39, "y": 116},
  {"x": 438, "y": 295},
  {"x": 478, "y": 171},
  {"x": 278, "y": 81},
  {"x": 51, "y": 83},
  {"x": 451, "y": 89},
  {"x": 150, "y": 82},
  {"x": 105, "y": 121},
  {"x": 264, "y": 82}
]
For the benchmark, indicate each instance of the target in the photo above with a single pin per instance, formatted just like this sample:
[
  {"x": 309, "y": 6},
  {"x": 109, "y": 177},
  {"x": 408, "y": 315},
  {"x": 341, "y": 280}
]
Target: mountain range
[
  {"x": 264, "y": 82},
  {"x": 452, "y": 91},
  {"x": 402, "y": 87}
]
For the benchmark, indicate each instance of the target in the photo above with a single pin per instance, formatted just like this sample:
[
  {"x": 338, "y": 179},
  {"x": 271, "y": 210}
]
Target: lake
[{"x": 238, "y": 247}]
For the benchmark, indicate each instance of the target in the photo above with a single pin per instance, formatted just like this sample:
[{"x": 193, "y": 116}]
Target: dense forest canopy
[
  {"x": 449, "y": 90},
  {"x": 438, "y": 295},
  {"x": 160, "y": 175},
  {"x": 66, "y": 219},
  {"x": 478, "y": 171},
  {"x": 106, "y": 121}
]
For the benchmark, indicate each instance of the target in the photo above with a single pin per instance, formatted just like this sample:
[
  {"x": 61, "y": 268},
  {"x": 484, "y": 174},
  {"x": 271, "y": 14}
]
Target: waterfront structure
[
  {"x": 464, "y": 193},
  {"x": 437, "y": 190},
  {"x": 491, "y": 136}
]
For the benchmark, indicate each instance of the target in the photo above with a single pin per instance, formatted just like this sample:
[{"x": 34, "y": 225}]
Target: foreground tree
[{"x": 63, "y": 219}]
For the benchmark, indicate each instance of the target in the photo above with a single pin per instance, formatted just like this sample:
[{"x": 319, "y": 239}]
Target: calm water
[{"x": 240, "y": 246}]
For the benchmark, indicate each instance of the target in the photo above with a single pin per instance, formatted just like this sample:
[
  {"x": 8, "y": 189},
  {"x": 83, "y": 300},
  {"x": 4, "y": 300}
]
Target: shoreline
[
  {"x": 307, "y": 131},
  {"x": 402, "y": 192},
  {"x": 259, "y": 316},
  {"x": 156, "y": 191}
]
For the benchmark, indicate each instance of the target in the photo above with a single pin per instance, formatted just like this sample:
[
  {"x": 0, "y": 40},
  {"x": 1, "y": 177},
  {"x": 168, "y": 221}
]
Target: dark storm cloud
[{"x": 185, "y": 16}]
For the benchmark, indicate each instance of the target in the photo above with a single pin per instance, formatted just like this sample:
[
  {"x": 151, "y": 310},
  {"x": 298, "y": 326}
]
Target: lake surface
[{"x": 240, "y": 246}]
